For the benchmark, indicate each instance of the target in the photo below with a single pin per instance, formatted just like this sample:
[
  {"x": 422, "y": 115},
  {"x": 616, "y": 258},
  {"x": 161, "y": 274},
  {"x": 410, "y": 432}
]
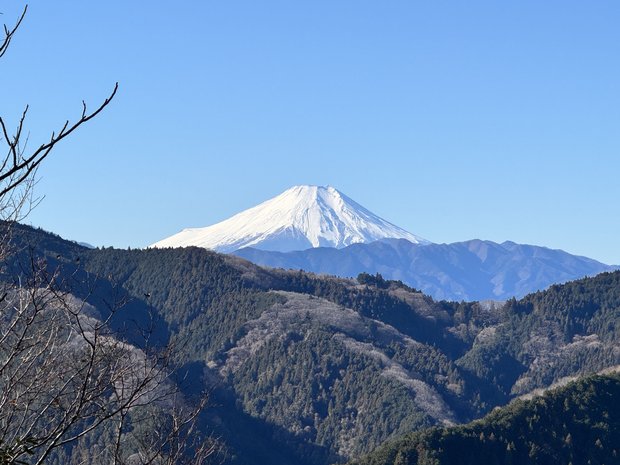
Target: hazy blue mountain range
[{"x": 470, "y": 270}]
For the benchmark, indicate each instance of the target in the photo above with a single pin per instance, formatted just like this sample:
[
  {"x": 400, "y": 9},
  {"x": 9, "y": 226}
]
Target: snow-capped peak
[{"x": 300, "y": 218}]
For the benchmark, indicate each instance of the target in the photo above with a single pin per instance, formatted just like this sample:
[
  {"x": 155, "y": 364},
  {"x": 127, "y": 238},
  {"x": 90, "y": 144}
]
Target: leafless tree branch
[
  {"x": 65, "y": 375},
  {"x": 9, "y": 32},
  {"x": 17, "y": 166}
]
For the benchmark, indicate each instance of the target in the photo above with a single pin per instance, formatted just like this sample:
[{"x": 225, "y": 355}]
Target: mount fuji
[
  {"x": 300, "y": 218},
  {"x": 319, "y": 229}
]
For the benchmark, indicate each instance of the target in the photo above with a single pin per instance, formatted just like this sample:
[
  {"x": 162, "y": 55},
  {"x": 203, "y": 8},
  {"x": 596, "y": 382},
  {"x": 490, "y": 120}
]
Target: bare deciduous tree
[
  {"x": 65, "y": 375},
  {"x": 18, "y": 166}
]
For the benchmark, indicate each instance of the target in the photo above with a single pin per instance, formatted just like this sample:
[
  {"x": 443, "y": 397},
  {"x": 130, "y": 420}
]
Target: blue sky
[{"x": 454, "y": 120}]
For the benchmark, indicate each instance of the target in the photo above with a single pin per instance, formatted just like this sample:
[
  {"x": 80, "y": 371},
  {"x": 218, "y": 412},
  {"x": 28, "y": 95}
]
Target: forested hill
[
  {"x": 308, "y": 369},
  {"x": 566, "y": 330},
  {"x": 576, "y": 424}
]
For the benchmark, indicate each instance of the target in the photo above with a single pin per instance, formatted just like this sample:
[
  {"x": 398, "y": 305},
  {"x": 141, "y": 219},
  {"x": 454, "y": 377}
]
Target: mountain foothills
[
  {"x": 320, "y": 229},
  {"x": 577, "y": 424},
  {"x": 308, "y": 369}
]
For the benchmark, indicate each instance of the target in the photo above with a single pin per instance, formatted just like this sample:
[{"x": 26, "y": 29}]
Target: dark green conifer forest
[
  {"x": 312, "y": 369},
  {"x": 576, "y": 424}
]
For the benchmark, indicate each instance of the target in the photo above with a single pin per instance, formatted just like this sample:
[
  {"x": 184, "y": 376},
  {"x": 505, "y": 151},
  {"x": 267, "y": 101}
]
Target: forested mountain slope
[
  {"x": 576, "y": 424},
  {"x": 566, "y": 330},
  {"x": 314, "y": 369}
]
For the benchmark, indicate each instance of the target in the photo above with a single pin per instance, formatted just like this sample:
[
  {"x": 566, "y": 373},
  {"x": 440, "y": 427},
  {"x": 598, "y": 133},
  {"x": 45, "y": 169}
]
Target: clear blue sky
[{"x": 455, "y": 120}]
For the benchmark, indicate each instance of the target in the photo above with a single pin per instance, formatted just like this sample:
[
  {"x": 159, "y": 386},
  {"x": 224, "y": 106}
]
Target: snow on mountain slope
[{"x": 300, "y": 218}]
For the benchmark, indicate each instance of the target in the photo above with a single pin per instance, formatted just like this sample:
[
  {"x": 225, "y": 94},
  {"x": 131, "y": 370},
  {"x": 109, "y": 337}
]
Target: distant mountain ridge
[
  {"x": 470, "y": 270},
  {"x": 319, "y": 229},
  {"x": 300, "y": 218}
]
